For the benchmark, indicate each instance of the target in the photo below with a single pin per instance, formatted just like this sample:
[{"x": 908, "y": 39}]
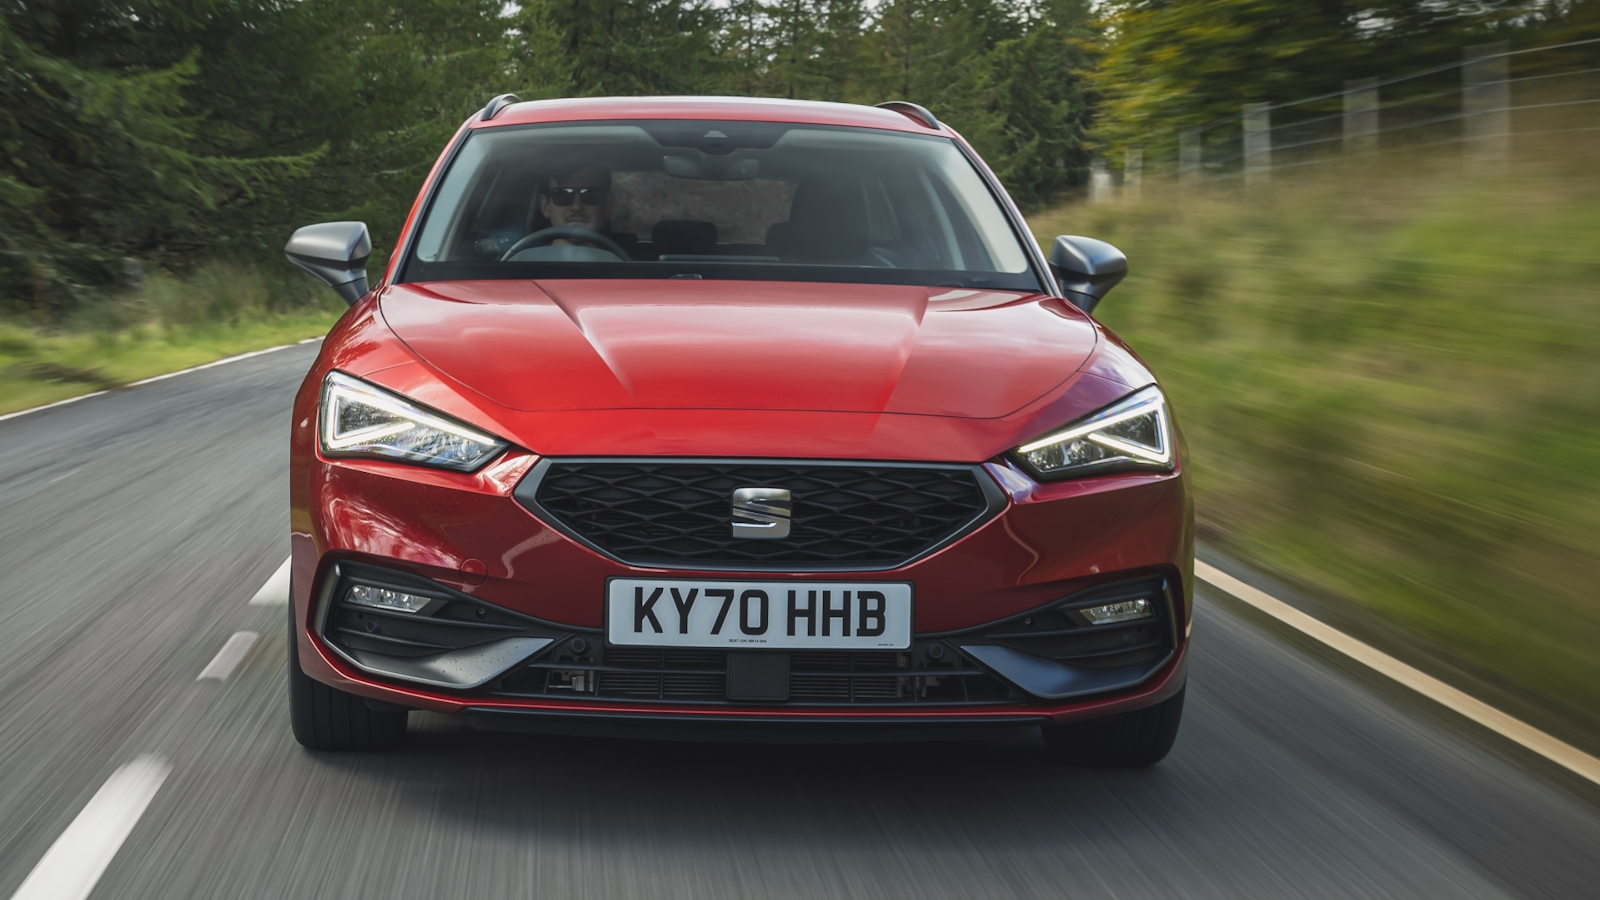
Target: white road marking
[
  {"x": 276, "y": 591},
  {"x": 34, "y": 409},
  {"x": 80, "y": 855},
  {"x": 1553, "y": 749},
  {"x": 229, "y": 657}
]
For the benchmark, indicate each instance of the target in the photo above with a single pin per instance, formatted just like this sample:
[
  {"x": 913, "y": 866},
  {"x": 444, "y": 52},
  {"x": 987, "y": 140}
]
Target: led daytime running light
[
  {"x": 341, "y": 392},
  {"x": 358, "y": 419},
  {"x": 1118, "y": 447}
]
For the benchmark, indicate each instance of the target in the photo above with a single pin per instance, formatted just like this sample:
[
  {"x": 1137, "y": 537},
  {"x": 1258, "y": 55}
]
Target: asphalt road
[{"x": 136, "y": 525}]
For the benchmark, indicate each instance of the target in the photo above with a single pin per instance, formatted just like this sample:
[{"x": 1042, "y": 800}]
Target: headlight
[
  {"x": 358, "y": 419},
  {"x": 1133, "y": 433}
]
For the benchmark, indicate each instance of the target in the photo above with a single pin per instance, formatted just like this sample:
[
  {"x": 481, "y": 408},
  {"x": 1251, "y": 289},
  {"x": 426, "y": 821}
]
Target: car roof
[{"x": 749, "y": 109}]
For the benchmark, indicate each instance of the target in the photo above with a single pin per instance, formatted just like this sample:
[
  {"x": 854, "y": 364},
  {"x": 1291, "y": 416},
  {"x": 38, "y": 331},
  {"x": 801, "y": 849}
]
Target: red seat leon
[{"x": 729, "y": 413}]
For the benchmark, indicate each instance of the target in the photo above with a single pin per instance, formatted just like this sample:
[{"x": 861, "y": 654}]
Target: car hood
[{"x": 689, "y": 344}]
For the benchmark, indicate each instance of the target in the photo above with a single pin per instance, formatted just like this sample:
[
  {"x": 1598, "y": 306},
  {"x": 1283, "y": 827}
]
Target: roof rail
[
  {"x": 497, "y": 104},
  {"x": 911, "y": 111}
]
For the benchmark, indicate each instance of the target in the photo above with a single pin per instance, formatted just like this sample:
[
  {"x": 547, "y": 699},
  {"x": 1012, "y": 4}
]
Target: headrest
[{"x": 827, "y": 222}]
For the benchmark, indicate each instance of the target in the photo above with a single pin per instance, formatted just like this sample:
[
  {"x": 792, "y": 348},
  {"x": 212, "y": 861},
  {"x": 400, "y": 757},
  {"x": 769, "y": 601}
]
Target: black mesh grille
[
  {"x": 816, "y": 678},
  {"x": 679, "y": 512}
]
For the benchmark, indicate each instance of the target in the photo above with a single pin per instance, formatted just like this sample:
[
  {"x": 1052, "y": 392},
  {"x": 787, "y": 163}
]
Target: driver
[{"x": 580, "y": 198}]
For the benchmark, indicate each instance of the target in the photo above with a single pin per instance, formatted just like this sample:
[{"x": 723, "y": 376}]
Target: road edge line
[
  {"x": 74, "y": 863},
  {"x": 214, "y": 363},
  {"x": 155, "y": 378},
  {"x": 1513, "y": 729},
  {"x": 32, "y": 409}
]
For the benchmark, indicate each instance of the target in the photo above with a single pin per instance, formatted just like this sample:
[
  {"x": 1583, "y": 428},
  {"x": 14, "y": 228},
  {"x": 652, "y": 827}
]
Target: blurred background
[{"x": 1364, "y": 236}]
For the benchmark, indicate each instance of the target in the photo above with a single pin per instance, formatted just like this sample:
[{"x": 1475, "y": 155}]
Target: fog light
[
  {"x": 1122, "y": 611},
  {"x": 384, "y": 598}
]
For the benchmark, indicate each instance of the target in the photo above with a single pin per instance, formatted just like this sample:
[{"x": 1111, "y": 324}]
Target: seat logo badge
[{"x": 761, "y": 513}]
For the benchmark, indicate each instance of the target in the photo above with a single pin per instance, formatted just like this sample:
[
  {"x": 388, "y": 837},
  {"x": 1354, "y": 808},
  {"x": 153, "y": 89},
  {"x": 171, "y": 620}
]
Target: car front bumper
[{"x": 985, "y": 599}]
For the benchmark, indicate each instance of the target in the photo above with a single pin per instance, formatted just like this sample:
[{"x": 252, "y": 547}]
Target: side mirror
[
  {"x": 335, "y": 253},
  {"x": 1087, "y": 268}
]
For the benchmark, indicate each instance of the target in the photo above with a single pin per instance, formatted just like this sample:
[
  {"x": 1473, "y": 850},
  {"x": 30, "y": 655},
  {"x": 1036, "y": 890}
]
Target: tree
[
  {"x": 101, "y": 158},
  {"x": 178, "y": 130},
  {"x": 1012, "y": 84},
  {"x": 1168, "y": 65},
  {"x": 1040, "y": 107},
  {"x": 640, "y": 46}
]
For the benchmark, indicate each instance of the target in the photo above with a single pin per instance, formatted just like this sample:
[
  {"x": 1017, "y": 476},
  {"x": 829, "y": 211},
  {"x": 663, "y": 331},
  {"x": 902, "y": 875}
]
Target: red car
[{"x": 717, "y": 411}]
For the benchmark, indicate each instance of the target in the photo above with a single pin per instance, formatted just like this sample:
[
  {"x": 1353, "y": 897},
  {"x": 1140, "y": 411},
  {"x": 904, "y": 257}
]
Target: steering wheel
[{"x": 544, "y": 237}]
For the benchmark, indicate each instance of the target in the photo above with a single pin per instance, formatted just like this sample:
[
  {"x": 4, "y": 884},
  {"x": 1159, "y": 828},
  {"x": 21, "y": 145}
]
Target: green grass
[
  {"x": 169, "y": 324},
  {"x": 1391, "y": 388}
]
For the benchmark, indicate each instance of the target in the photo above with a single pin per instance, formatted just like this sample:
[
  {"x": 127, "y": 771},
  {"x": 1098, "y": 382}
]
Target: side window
[
  {"x": 503, "y": 211},
  {"x": 971, "y": 252},
  {"x": 909, "y": 216},
  {"x": 987, "y": 232},
  {"x": 935, "y": 230},
  {"x": 444, "y": 218}
]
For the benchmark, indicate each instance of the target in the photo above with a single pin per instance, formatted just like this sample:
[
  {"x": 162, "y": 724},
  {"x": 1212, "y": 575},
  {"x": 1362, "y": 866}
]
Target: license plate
[{"x": 663, "y": 612}]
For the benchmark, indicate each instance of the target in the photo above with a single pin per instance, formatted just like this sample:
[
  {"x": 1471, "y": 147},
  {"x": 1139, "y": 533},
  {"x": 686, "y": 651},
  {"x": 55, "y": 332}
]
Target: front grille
[
  {"x": 678, "y": 513},
  {"x": 816, "y": 678}
]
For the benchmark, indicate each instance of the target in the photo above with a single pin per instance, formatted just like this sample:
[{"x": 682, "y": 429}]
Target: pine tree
[
  {"x": 641, "y": 46},
  {"x": 1039, "y": 108},
  {"x": 101, "y": 159}
]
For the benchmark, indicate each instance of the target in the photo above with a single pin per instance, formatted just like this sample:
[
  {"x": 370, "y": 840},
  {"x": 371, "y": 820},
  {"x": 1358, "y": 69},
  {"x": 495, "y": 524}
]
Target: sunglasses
[{"x": 563, "y": 196}]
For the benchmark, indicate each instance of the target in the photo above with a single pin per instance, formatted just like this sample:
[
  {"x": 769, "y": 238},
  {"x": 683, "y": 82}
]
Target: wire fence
[{"x": 1481, "y": 106}]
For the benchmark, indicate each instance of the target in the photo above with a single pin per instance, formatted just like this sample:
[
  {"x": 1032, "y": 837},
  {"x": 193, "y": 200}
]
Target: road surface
[{"x": 138, "y": 524}]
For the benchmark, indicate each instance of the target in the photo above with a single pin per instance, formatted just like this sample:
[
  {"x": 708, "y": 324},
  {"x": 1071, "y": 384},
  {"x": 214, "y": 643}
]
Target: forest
[{"x": 161, "y": 135}]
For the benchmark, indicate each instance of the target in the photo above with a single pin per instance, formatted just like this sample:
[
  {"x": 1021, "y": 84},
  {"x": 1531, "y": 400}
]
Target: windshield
[{"x": 709, "y": 199}]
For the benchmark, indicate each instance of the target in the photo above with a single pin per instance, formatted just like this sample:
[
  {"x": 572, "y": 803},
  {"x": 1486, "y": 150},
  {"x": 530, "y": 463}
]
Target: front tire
[
  {"x": 1134, "y": 739},
  {"x": 326, "y": 718}
]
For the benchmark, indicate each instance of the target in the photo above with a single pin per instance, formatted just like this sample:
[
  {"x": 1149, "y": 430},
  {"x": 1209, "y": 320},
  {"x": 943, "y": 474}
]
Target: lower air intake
[{"x": 816, "y": 678}]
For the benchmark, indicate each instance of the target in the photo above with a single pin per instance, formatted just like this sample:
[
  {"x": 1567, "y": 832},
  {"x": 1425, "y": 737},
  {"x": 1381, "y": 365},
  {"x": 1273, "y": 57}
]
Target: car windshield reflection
[{"x": 762, "y": 200}]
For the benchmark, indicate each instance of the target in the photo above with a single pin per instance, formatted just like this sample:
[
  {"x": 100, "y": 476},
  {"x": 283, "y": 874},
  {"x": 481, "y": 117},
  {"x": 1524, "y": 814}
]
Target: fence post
[
  {"x": 1486, "y": 108},
  {"x": 1257, "y": 144},
  {"x": 1361, "y": 115},
  {"x": 132, "y": 273},
  {"x": 1189, "y": 158},
  {"x": 1099, "y": 181},
  {"x": 1133, "y": 173}
]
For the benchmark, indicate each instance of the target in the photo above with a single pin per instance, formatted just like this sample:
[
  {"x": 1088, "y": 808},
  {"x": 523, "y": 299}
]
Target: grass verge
[
  {"x": 1390, "y": 383},
  {"x": 167, "y": 325}
]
